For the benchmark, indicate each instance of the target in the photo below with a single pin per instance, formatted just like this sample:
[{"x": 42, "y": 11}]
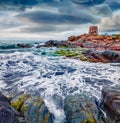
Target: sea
[{"x": 38, "y": 71}]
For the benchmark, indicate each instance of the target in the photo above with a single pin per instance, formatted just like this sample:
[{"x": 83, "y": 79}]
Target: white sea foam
[{"x": 53, "y": 78}]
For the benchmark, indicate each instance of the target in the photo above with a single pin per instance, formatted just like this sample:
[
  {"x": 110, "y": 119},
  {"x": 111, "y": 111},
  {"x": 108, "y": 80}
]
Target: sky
[{"x": 56, "y": 19}]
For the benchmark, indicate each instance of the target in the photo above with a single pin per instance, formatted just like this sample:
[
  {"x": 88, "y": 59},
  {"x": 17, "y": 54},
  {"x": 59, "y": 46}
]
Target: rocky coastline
[
  {"x": 92, "y": 46},
  {"x": 79, "y": 108},
  {"x": 83, "y": 53}
]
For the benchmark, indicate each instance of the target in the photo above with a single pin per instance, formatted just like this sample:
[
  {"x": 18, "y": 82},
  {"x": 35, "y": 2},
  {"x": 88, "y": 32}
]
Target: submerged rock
[
  {"x": 33, "y": 109},
  {"x": 24, "y": 46},
  {"x": 81, "y": 109},
  {"x": 111, "y": 97},
  {"x": 7, "y": 113},
  {"x": 54, "y": 43}
]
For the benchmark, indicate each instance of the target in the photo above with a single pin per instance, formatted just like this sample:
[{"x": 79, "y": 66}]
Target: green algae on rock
[
  {"x": 72, "y": 52},
  {"x": 81, "y": 109},
  {"x": 19, "y": 101},
  {"x": 33, "y": 109}
]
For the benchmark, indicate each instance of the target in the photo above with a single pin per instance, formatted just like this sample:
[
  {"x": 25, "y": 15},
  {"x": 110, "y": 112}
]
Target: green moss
[
  {"x": 24, "y": 108},
  {"x": 69, "y": 52},
  {"x": 17, "y": 104},
  {"x": 38, "y": 102},
  {"x": 46, "y": 119},
  {"x": 89, "y": 121},
  {"x": 63, "y": 47}
]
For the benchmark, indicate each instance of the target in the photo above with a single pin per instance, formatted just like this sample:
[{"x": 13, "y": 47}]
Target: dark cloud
[
  {"x": 102, "y": 10},
  {"x": 114, "y": 4},
  {"x": 56, "y": 18},
  {"x": 22, "y": 4},
  {"x": 45, "y": 29},
  {"x": 88, "y": 2},
  {"x": 44, "y": 16}
]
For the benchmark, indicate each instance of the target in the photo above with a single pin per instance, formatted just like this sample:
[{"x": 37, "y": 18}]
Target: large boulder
[
  {"x": 7, "y": 113},
  {"x": 33, "y": 109},
  {"x": 111, "y": 97},
  {"x": 81, "y": 109}
]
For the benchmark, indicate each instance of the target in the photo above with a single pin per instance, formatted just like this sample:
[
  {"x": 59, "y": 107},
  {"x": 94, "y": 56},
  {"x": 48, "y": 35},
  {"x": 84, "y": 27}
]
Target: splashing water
[{"x": 53, "y": 77}]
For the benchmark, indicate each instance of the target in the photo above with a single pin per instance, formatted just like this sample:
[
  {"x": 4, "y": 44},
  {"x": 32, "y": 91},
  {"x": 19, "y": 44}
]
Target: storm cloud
[{"x": 57, "y": 16}]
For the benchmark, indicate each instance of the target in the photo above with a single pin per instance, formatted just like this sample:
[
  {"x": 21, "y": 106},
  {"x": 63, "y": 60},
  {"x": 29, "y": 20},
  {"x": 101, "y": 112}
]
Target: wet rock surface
[
  {"x": 107, "y": 56},
  {"x": 55, "y": 43},
  {"x": 24, "y": 109},
  {"x": 33, "y": 109},
  {"x": 111, "y": 97},
  {"x": 78, "y": 108},
  {"x": 103, "y": 56},
  {"x": 81, "y": 109},
  {"x": 7, "y": 113},
  {"x": 90, "y": 53}
]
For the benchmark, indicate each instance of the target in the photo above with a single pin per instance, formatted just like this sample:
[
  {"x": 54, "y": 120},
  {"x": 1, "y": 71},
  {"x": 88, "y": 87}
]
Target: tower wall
[{"x": 93, "y": 30}]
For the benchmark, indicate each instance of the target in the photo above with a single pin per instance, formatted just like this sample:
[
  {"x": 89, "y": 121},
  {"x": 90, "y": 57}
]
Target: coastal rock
[
  {"x": 93, "y": 40},
  {"x": 7, "y": 113},
  {"x": 33, "y": 109},
  {"x": 4, "y": 99},
  {"x": 111, "y": 97},
  {"x": 39, "y": 46},
  {"x": 71, "y": 38},
  {"x": 112, "y": 56},
  {"x": 24, "y": 46},
  {"x": 54, "y": 43},
  {"x": 117, "y": 48},
  {"x": 95, "y": 56},
  {"x": 102, "y": 56},
  {"x": 81, "y": 109}
]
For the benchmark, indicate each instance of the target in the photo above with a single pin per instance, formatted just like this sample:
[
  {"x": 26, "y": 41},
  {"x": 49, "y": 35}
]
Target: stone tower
[{"x": 93, "y": 30}]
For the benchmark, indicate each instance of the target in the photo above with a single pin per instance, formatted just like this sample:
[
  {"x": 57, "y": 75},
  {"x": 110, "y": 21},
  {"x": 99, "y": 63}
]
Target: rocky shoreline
[
  {"x": 92, "y": 46},
  {"x": 79, "y": 108},
  {"x": 84, "y": 54}
]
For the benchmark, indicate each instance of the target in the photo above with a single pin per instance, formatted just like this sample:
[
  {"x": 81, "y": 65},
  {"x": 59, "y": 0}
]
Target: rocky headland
[
  {"x": 97, "y": 48},
  {"x": 90, "y": 47},
  {"x": 93, "y": 40}
]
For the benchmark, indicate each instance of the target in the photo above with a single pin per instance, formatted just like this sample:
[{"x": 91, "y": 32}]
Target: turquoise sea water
[{"x": 41, "y": 72}]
